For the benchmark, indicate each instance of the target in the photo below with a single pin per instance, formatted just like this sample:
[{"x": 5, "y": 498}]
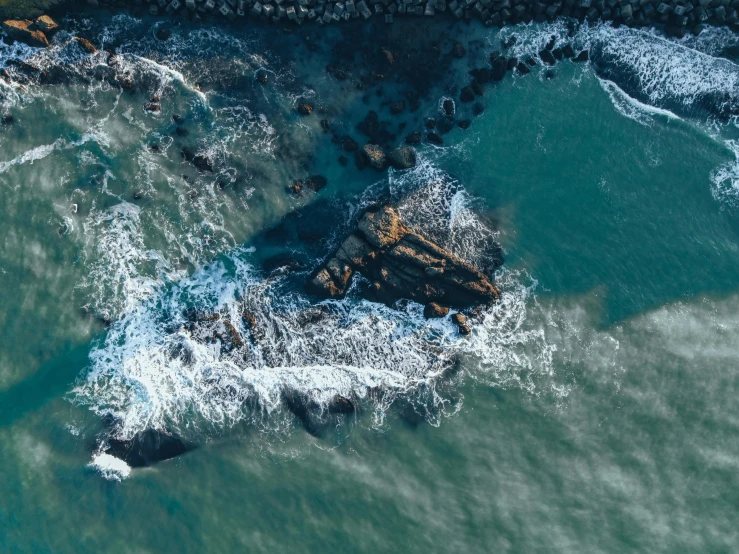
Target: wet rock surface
[
  {"x": 400, "y": 263},
  {"x": 148, "y": 447}
]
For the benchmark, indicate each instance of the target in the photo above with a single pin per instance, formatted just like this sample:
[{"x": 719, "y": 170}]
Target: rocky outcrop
[
  {"x": 400, "y": 263},
  {"x": 26, "y": 31}
]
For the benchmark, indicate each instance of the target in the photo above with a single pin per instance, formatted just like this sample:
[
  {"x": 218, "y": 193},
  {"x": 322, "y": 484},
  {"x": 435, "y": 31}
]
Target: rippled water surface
[{"x": 594, "y": 409}]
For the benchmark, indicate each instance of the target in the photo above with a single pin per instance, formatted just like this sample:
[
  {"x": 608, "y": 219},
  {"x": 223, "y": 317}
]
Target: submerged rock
[
  {"x": 400, "y": 263},
  {"x": 148, "y": 447},
  {"x": 200, "y": 161}
]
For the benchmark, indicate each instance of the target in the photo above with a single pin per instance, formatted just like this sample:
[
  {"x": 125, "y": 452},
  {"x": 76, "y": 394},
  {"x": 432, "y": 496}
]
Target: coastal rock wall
[{"x": 678, "y": 17}]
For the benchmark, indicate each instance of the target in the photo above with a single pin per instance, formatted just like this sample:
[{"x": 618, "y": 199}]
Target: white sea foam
[
  {"x": 632, "y": 108},
  {"x": 110, "y": 467},
  {"x": 156, "y": 369}
]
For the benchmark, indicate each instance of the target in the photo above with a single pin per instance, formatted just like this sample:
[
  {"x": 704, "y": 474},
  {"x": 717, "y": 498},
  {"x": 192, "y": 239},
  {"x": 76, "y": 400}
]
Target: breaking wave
[{"x": 226, "y": 344}]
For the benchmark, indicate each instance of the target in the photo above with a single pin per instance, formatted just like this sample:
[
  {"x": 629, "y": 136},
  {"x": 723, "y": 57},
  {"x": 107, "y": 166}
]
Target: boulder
[
  {"x": 375, "y": 156},
  {"x": 434, "y": 310},
  {"x": 499, "y": 68},
  {"x": 400, "y": 263},
  {"x": 448, "y": 108},
  {"x": 304, "y": 108},
  {"x": 85, "y": 45},
  {"x": 403, "y": 157},
  {"x": 547, "y": 57},
  {"x": 459, "y": 319},
  {"x": 24, "y": 30}
]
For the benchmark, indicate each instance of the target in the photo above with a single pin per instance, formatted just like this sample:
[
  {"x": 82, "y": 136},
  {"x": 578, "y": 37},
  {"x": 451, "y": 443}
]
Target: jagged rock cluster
[{"x": 400, "y": 263}]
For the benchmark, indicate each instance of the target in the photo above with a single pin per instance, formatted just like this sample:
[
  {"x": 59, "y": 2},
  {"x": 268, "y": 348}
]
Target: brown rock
[
  {"x": 25, "y": 31},
  {"x": 401, "y": 264},
  {"x": 86, "y": 45},
  {"x": 305, "y": 108},
  {"x": 459, "y": 319},
  {"x": 465, "y": 329},
  {"x": 434, "y": 310},
  {"x": 375, "y": 156},
  {"x": 46, "y": 25}
]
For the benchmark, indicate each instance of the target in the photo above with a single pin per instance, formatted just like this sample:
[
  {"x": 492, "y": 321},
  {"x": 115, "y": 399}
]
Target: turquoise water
[{"x": 593, "y": 411}]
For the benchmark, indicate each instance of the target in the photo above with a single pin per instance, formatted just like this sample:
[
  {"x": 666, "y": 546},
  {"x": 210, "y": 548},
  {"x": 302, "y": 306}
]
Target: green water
[{"x": 611, "y": 427}]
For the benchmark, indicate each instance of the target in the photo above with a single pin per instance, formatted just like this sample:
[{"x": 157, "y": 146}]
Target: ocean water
[{"x": 594, "y": 409}]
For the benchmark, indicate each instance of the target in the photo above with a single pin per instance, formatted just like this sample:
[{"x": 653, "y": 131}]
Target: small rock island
[{"x": 400, "y": 263}]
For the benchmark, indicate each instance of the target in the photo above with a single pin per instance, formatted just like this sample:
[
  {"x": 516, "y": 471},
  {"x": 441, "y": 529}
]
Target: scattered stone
[
  {"x": 375, "y": 156},
  {"x": 403, "y": 157},
  {"x": 448, "y": 108},
  {"x": 464, "y": 329},
  {"x": 262, "y": 77},
  {"x": 523, "y": 69}
]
